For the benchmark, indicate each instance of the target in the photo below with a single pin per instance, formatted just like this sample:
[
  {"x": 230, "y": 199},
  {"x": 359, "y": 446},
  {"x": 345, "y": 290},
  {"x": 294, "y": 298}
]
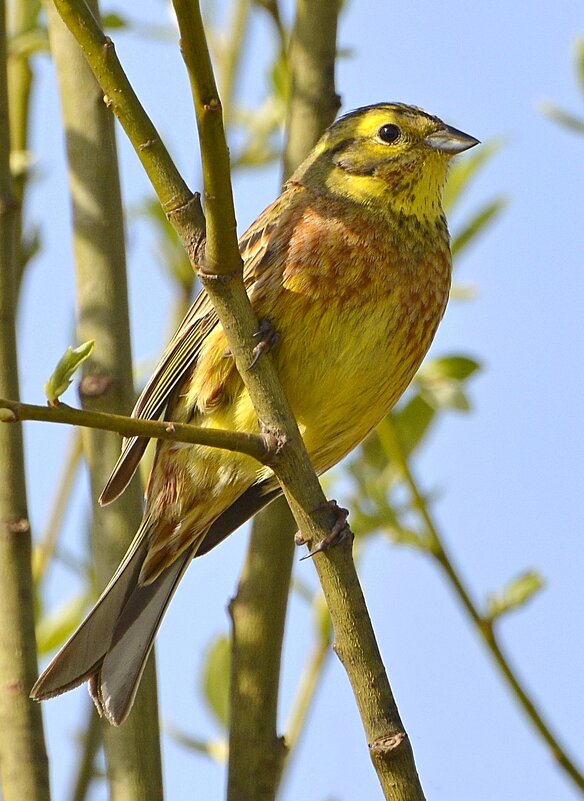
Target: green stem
[
  {"x": 180, "y": 205},
  {"x": 254, "y": 445},
  {"x": 314, "y": 102},
  {"x": 484, "y": 626},
  {"x": 309, "y": 682},
  {"x": 231, "y": 55},
  {"x": 258, "y": 614},
  {"x": 132, "y": 751},
  {"x": 23, "y": 760}
]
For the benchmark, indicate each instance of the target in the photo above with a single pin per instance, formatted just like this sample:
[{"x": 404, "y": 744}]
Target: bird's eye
[{"x": 389, "y": 133}]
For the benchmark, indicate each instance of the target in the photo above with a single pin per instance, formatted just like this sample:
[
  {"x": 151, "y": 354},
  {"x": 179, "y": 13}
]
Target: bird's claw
[
  {"x": 338, "y": 533},
  {"x": 269, "y": 338}
]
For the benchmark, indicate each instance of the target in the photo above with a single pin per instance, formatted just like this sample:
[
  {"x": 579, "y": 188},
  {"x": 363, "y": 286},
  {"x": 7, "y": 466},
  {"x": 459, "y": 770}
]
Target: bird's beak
[{"x": 450, "y": 140}]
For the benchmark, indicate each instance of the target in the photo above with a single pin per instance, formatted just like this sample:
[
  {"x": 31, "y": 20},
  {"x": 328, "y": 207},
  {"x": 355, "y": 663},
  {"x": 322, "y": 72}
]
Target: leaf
[
  {"x": 216, "y": 678},
  {"x": 57, "y": 626},
  {"x": 409, "y": 537},
  {"x": 216, "y": 749},
  {"x": 477, "y": 223},
  {"x": 62, "y": 375},
  {"x": 413, "y": 421},
  {"x": 114, "y": 21},
  {"x": 516, "y": 594},
  {"x": 564, "y": 118},
  {"x": 457, "y": 367},
  {"x": 442, "y": 381}
]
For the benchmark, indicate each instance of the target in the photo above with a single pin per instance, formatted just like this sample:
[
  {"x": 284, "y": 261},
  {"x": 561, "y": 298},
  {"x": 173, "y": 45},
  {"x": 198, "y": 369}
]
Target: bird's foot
[
  {"x": 268, "y": 338},
  {"x": 338, "y": 533}
]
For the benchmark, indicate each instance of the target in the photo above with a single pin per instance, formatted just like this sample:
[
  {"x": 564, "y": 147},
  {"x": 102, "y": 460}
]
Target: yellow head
[{"x": 385, "y": 155}]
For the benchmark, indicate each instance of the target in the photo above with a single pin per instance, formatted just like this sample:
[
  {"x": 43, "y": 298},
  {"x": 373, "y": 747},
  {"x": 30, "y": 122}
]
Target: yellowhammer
[{"x": 351, "y": 265}]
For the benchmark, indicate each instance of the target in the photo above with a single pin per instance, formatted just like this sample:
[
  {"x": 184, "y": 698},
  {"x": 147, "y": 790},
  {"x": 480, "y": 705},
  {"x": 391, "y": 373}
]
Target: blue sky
[{"x": 508, "y": 477}]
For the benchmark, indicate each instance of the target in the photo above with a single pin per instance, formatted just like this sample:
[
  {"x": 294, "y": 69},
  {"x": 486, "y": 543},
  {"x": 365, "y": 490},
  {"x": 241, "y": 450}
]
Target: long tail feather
[{"x": 112, "y": 644}]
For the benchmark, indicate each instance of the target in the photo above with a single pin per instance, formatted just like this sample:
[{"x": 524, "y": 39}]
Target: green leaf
[
  {"x": 564, "y": 118},
  {"x": 516, "y": 594},
  {"x": 455, "y": 367},
  {"x": 216, "y": 678},
  {"x": 409, "y": 537},
  {"x": 413, "y": 421},
  {"x": 216, "y": 749},
  {"x": 477, "y": 223},
  {"x": 579, "y": 57},
  {"x": 57, "y": 626},
  {"x": 62, "y": 375},
  {"x": 442, "y": 380},
  {"x": 114, "y": 21}
]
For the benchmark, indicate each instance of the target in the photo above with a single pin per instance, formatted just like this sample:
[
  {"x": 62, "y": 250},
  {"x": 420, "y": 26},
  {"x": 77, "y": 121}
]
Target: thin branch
[
  {"x": 256, "y": 752},
  {"x": 314, "y": 101},
  {"x": 180, "y": 205},
  {"x": 256, "y": 445},
  {"x": 23, "y": 759},
  {"x": 134, "y": 766},
  {"x": 483, "y": 625}
]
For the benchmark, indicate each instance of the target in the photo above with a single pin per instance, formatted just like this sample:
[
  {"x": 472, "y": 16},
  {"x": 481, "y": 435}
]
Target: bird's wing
[{"x": 183, "y": 350}]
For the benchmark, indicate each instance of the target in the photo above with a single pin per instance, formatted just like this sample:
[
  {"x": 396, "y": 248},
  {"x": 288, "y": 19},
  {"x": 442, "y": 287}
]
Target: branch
[
  {"x": 256, "y": 445},
  {"x": 483, "y": 625},
  {"x": 257, "y": 756},
  {"x": 134, "y": 766},
  {"x": 182, "y": 208},
  {"x": 23, "y": 760}
]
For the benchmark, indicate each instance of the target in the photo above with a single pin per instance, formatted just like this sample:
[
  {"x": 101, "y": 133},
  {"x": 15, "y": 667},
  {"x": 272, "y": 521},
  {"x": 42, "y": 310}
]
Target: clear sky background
[{"x": 509, "y": 477}]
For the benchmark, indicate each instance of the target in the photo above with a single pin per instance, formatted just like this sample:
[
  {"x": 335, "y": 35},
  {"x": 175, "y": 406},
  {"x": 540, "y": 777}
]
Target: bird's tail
[{"x": 111, "y": 646}]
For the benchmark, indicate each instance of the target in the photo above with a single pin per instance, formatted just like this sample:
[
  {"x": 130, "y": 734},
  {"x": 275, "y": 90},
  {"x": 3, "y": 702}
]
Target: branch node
[
  {"x": 8, "y": 416},
  {"x": 147, "y": 144},
  {"x": 213, "y": 105},
  {"x": 15, "y": 526},
  {"x": 385, "y": 746},
  {"x": 95, "y": 386},
  {"x": 217, "y": 278}
]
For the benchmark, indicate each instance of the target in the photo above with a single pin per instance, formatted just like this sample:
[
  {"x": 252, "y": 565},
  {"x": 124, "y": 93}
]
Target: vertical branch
[
  {"x": 313, "y": 105},
  {"x": 133, "y": 751},
  {"x": 23, "y": 18},
  {"x": 258, "y": 614},
  {"x": 23, "y": 759},
  {"x": 314, "y": 102}
]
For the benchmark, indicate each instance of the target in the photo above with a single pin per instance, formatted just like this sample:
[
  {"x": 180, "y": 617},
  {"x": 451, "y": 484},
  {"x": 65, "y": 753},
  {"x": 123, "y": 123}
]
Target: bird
[{"x": 351, "y": 266}]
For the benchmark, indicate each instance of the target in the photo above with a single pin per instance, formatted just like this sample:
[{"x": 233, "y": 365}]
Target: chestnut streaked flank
[{"x": 351, "y": 265}]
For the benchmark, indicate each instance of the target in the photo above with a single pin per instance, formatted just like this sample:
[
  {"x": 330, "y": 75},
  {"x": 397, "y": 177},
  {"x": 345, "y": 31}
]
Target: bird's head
[{"x": 388, "y": 153}]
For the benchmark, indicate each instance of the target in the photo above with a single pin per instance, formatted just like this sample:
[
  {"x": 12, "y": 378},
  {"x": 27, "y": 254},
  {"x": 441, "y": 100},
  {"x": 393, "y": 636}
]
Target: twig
[
  {"x": 483, "y": 625},
  {"x": 256, "y": 445}
]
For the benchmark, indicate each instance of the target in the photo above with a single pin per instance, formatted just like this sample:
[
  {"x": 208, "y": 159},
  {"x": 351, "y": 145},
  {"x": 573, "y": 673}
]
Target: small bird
[{"x": 351, "y": 265}]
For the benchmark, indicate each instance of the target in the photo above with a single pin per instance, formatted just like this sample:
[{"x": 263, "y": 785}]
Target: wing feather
[{"x": 182, "y": 352}]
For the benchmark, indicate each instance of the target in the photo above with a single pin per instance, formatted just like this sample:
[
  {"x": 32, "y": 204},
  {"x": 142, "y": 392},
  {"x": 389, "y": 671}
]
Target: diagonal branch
[{"x": 483, "y": 625}]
